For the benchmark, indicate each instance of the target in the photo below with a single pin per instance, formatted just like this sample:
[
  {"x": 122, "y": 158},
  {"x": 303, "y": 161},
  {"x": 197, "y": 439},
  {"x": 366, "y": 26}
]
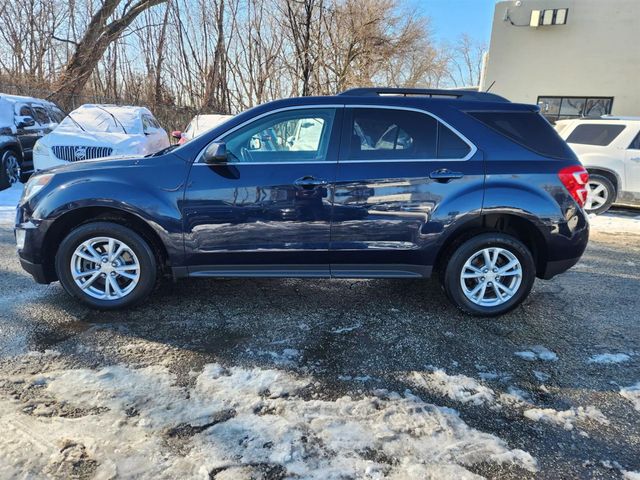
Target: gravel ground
[{"x": 357, "y": 337}]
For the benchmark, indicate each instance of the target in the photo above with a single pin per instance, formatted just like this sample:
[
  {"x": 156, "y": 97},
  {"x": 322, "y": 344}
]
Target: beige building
[{"x": 572, "y": 57}]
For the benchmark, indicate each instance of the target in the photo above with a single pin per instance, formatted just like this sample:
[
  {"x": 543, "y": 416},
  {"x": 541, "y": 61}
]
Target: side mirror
[
  {"x": 177, "y": 134},
  {"x": 26, "y": 121},
  {"x": 216, "y": 153}
]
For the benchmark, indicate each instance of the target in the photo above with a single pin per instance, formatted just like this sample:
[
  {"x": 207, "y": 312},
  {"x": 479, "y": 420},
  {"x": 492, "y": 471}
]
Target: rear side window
[
  {"x": 595, "y": 134},
  {"x": 388, "y": 134},
  {"x": 529, "y": 129}
]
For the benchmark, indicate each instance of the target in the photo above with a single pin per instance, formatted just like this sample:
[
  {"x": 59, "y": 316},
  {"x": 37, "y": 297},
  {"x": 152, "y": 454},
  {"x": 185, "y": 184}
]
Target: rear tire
[
  {"x": 600, "y": 195},
  {"x": 489, "y": 275},
  {"x": 106, "y": 265}
]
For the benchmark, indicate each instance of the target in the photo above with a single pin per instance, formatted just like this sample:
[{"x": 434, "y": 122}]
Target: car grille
[{"x": 72, "y": 153}]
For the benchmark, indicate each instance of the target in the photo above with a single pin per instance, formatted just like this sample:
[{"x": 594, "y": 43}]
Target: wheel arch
[
  {"x": 612, "y": 176},
  {"x": 518, "y": 226},
  {"x": 72, "y": 219}
]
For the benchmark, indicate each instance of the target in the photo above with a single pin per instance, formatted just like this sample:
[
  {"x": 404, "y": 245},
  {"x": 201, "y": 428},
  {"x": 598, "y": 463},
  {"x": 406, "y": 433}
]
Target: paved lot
[{"x": 296, "y": 378}]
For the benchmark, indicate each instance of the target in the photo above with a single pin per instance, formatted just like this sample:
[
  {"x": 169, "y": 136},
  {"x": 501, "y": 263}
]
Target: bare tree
[
  {"x": 465, "y": 62},
  {"x": 100, "y": 33}
]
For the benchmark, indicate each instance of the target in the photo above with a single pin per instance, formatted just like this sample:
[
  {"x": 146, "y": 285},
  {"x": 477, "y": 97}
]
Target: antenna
[{"x": 492, "y": 84}]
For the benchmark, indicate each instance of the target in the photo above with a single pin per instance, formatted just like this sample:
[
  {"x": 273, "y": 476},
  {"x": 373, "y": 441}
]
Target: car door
[
  {"x": 403, "y": 177},
  {"x": 27, "y": 134},
  {"x": 267, "y": 210},
  {"x": 632, "y": 171}
]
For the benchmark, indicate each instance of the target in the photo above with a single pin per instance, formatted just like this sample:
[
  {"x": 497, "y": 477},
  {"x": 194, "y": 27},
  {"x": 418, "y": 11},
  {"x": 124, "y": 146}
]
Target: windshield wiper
[
  {"x": 163, "y": 151},
  {"x": 75, "y": 122},
  {"x": 115, "y": 119}
]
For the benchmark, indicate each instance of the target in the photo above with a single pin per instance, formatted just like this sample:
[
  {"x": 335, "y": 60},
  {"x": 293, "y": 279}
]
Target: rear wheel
[
  {"x": 106, "y": 265},
  {"x": 489, "y": 275},
  {"x": 600, "y": 194}
]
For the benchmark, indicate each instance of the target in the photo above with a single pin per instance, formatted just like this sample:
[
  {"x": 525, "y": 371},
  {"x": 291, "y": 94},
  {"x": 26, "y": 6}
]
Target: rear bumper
[{"x": 36, "y": 270}]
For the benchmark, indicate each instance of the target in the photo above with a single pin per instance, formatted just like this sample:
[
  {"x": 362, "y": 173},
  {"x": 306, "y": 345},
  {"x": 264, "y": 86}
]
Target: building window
[{"x": 559, "y": 108}]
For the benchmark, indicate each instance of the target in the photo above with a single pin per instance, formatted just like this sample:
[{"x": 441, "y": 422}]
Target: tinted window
[
  {"x": 595, "y": 134},
  {"x": 381, "y": 134},
  {"x": 450, "y": 145},
  {"x": 25, "y": 111},
  {"x": 635, "y": 145},
  {"x": 290, "y": 136},
  {"x": 529, "y": 129},
  {"x": 42, "y": 117}
]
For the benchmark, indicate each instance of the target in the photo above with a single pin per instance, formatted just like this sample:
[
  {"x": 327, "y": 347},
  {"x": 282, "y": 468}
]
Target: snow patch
[
  {"x": 612, "y": 224},
  {"x": 537, "y": 353},
  {"x": 632, "y": 394},
  {"x": 608, "y": 358},
  {"x": 628, "y": 475},
  {"x": 541, "y": 376},
  {"x": 457, "y": 387},
  {"x": 234, "y": 421},
  {"x": 566, "y": 418}
]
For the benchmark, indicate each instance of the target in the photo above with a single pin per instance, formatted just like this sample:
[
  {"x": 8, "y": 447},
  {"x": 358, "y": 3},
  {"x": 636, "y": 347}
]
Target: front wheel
[
  {"x": 106, "y": 265},
  {"x": 489, "y": 275},
  {"x": 9, "y": 169}
]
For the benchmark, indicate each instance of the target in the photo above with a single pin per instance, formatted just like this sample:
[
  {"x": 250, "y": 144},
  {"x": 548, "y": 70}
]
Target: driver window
[{"x": 292, "y": 136}]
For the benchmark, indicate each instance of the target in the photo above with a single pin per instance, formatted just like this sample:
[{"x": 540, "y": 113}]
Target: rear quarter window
[
  {"x": 595, "y": 134},
  {"x": 529, "y": 129}
]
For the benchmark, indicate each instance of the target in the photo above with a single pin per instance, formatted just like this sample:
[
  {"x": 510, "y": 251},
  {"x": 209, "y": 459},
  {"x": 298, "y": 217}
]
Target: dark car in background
[
  {"x": 371, "y": 183},
  {"x": 23, "y": 121}
]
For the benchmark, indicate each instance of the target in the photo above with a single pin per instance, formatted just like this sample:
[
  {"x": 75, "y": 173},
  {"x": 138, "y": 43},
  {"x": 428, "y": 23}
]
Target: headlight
[{"x": 35, "y": 184}]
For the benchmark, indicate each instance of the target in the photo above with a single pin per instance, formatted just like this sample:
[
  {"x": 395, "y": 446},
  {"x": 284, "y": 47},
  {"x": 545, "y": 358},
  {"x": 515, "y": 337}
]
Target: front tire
[
  {"x": 489, "y": 274},
  {"x": 106, "y": 265},
  {"x": 601, "y": 194},
  {"x": 9, "y": 168}
]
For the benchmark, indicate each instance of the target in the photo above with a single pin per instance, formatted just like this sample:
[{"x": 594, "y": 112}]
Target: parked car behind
[
  {"x": 23, "y": 120},
  {"x": 197, "y": 126},
  {"x": 376, "y": 183},
  {"x": 97, "y": 131},
  {"x": 609, "y": 147}
]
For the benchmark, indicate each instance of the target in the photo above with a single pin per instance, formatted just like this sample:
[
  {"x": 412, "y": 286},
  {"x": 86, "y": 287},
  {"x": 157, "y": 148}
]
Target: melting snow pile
[
  {"x": 457, "y": 387},
  {"x": 610, "y": 358},
  {"x": 136, "y": 423},
  {"x": 566, "y": 418},
  {"x": 633, "y": 394},
  {"x": 537, "y": 353}
]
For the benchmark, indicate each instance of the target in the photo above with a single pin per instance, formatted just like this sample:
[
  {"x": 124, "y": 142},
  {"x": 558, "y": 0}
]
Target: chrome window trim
[{"x": 472, "y": 152}]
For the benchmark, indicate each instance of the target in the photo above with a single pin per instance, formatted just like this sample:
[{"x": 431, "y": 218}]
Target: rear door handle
[
  {"x": 309, "y": 182},
  {"x": 444, "y": 175}
]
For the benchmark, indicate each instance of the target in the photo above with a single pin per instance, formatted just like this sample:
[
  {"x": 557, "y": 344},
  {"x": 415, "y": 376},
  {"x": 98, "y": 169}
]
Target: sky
[{"x": 451, "y": 18}]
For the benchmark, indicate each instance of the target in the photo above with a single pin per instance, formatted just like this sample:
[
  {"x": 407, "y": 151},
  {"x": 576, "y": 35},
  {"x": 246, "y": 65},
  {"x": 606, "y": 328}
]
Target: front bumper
[{"x": 36, "y": 270}]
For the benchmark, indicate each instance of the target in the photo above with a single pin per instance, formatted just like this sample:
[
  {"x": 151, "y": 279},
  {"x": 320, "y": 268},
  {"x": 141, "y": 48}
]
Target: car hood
[
  {"x": 122, "y": 143},
  {"x": 122, "y": 161}
]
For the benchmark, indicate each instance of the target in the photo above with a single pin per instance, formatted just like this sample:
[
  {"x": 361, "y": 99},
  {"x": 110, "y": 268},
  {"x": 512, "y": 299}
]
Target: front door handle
[
  {"x": 445, "y": 175},
  {"x": 309, "y": 182}
]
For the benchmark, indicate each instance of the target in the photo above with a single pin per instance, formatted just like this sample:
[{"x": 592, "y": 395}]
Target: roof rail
[{"x": 424, "y": 92}]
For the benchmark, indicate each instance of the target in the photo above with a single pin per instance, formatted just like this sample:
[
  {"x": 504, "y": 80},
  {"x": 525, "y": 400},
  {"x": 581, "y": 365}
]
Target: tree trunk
[{"x": 90, "y": 49}]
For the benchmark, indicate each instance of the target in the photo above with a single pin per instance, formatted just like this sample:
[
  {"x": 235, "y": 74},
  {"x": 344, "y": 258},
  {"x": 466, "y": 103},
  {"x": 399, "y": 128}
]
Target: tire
[
  {"x": 9, "y": 168},
  {"x": 600, "y": 195},
  {"x": 135, "y": 252},
  {"x": 495, "y": 300}
]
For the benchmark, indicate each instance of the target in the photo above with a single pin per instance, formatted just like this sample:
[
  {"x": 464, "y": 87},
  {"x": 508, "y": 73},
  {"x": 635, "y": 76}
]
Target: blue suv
[{"x": 371, "y": 183}]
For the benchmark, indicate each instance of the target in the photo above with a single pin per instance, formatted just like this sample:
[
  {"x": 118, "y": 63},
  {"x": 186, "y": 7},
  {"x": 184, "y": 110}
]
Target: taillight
[{"x": 575, "y": 179}]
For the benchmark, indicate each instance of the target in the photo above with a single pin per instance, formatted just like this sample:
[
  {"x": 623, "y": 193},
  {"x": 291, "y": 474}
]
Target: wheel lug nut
[
  {"x": 103, "y": 275},
  {"x": 495, "y": 270},
  {"x": 114, "y": 264},
  {"x": 104, "y": 260},
  {"x": 113, "y": 274},
  {"x": 482, "y": 279}
]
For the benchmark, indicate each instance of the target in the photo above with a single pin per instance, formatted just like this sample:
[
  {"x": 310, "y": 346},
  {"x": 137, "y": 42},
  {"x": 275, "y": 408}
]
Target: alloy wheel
[
  {"x": 491, "y": 277},
  {"x": 12, "y": 167},
  {"x": 105, "y": 268},
  {"x": 597, "y": 195}
]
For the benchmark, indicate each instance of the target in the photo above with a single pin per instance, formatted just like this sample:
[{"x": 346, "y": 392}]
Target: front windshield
[{"x": 94, "y": 119}]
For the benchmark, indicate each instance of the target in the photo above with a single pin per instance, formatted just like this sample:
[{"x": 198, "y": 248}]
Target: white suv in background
[
  {"x": 97, "y": 131},
  {"x": 609, "y": 147}
]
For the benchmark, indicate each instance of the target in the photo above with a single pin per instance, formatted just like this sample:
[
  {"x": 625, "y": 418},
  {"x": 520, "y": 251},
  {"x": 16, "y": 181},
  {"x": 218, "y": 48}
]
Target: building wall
[{"x": 597, "y": 53}]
